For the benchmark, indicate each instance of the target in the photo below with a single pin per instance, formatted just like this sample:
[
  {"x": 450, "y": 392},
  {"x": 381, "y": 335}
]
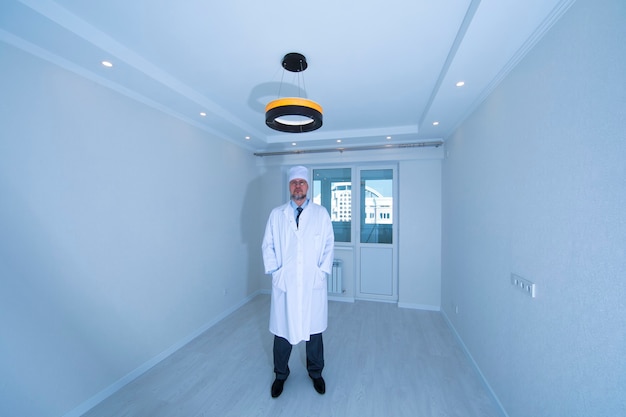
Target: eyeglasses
[{"x": 301, "y": 183}]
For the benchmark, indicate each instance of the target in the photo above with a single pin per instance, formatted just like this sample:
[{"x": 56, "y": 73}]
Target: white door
[{"x": 376, "y": 247}]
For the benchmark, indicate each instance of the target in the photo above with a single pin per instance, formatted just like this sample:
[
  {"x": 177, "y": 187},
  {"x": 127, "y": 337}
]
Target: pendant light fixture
[{"x": 293, "y": 114}]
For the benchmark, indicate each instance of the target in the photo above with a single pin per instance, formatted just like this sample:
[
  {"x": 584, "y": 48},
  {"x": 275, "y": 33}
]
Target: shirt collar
[{"x": 295, "y": 206}]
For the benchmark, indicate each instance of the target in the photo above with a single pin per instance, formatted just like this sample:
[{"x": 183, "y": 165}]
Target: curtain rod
[{"x": 436, "y": 144}]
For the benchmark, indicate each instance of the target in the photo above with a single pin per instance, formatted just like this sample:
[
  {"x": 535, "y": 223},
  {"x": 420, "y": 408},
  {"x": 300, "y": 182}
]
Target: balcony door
[{"x": 376, "y": 247}]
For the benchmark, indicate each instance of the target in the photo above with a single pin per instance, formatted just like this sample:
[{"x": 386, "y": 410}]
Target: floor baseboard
[
  {"x": 474, "y": 365},
  {"x": 134, "y": 374}
]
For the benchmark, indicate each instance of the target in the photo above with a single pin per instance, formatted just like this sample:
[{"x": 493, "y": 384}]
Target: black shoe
[
  {"x": 319, "y": 385},
  {"x": 277, "y": 387}
]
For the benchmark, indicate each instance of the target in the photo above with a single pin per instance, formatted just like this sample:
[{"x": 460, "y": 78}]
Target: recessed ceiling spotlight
[
  {"x": 107, "y": 64},
  {"x": 293, "y": 143},
  {"x": 247, "y": 137},
  {"x": 338, "y": 140},
  {"x": 388, "y": 137},
  {"x": 435, "y": 123},
  {"x": 460, "y": 84},
  {"x": 203, "y": 114}
]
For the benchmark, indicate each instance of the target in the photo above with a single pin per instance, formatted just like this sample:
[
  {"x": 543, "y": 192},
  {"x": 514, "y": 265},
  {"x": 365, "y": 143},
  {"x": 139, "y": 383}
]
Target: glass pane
[
  {"x": 332, "y": 188},
  {"x": 377, "y": 206}
]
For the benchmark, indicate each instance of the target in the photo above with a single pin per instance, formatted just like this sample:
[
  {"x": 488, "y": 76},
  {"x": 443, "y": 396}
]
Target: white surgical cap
[{"x": 299, "y": 172}]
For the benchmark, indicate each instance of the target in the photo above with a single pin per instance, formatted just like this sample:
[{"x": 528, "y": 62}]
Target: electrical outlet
[{"x": 528, "y": 287}]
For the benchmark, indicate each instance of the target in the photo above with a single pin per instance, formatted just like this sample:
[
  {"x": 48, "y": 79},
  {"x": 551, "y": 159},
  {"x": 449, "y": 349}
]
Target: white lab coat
[{"x": 298, "y": 259}]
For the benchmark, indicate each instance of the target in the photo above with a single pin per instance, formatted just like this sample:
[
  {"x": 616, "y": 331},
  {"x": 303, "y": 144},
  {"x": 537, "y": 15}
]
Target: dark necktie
[{"x": 298, "y": 216}]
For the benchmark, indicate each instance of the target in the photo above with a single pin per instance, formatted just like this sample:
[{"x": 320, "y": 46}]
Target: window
[
  {"x": 332, "y": 188},
  {"x": 377, "y": 206}
]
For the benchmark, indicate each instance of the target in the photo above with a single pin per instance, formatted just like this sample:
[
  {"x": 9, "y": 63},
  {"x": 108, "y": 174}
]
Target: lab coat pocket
[
  {"x": 278, "y": 281},
  {"x": 320, "y": 280}
]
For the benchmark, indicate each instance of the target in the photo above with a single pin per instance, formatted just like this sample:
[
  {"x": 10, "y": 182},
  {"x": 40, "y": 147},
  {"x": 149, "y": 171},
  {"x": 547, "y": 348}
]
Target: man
[{"x": 298, "y": 248}]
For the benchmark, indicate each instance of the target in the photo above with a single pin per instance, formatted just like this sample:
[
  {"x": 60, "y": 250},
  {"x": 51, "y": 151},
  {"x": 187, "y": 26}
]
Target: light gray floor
[{"x": 381, "y": 360}]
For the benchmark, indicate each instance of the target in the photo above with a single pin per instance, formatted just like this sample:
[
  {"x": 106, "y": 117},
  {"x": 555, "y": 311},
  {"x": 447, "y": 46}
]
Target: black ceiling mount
[{"x": 294, "y": 62}]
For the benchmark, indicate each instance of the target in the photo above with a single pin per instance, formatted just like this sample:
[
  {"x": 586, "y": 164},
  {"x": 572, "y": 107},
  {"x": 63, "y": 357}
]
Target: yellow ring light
[{"x": 293, "y": 115}]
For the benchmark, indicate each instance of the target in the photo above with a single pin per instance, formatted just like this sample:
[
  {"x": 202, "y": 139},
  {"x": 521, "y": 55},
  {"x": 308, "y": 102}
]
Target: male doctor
[{"x": 298, "y": 248}]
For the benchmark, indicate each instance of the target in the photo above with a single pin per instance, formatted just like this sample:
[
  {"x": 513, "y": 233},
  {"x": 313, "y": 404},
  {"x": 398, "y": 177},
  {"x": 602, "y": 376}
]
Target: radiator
[{"x": 334, "y": 281}]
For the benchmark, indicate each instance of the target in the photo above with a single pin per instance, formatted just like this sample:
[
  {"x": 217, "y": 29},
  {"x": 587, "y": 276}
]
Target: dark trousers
[{"x": 314, "y": 356}]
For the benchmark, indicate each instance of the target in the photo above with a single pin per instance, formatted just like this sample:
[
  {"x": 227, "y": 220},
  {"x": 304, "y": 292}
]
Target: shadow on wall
[
  {"x": 263, "y": 193},
  {"x": 254, "y": 213}
]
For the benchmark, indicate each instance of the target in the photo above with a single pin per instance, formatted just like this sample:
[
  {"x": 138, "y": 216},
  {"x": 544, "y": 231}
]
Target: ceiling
[{"x": 384, "y": 72}]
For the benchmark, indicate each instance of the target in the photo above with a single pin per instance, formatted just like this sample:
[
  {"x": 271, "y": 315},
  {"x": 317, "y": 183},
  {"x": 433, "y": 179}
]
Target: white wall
[
  {"x": 535, "y": 184},
  {"x": 419, "y": 250},
  {"x": 120, "y": 230}
]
